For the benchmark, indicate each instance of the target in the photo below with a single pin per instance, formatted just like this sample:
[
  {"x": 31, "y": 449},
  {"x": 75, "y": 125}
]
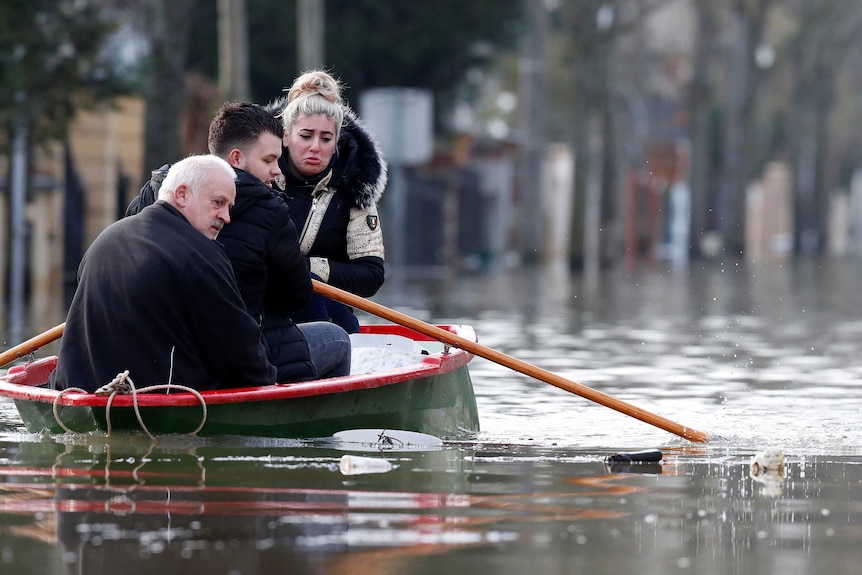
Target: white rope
[
  {"x": 56, "y": 405},
  {"x": 123, "y": 384},
  {"x": 171, "y": 370}
]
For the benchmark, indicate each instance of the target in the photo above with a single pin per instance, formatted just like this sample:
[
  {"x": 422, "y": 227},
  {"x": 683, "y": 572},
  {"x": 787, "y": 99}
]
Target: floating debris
[
  {"x": 646, "y": 456},
  {"x": 356, "y": 465},
  {"x": 767, "y": 468},
  {"x": 768, "y": 461}
]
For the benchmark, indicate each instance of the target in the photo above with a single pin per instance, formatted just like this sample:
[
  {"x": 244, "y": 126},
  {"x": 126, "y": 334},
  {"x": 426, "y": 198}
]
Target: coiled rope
[{"x": 123, "y": 384}]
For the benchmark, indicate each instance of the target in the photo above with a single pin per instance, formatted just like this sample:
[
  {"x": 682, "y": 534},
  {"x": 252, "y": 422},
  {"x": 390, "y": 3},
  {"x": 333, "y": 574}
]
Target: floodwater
[{"x": 756, "y": 357}]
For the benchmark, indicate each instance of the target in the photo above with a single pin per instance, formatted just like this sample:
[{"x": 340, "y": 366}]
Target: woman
[{"x": 333, "y": 176}]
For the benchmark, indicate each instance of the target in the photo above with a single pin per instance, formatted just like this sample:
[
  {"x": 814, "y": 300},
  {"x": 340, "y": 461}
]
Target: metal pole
[{"x": 18, "y": 229}]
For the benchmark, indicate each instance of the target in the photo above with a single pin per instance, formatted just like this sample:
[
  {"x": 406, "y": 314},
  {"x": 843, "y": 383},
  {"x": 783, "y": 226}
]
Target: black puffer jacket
[
  {"x": 342, "y": 236},
  {"x": 272, "y": 274},
  {"x": 262, "y": 244}
]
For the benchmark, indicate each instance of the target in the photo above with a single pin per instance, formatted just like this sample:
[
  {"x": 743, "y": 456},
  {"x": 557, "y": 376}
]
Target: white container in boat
[{"x": 356, "y": 465}]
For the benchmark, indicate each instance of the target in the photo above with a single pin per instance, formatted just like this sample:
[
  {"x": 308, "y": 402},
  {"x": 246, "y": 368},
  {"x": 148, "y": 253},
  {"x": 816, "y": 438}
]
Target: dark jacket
[
  {"x": 345, "y": 248},
  {"x": 344, "y": 240},
  {"x": 272, "y": 274},
  {"x": 157, "y": 298}
]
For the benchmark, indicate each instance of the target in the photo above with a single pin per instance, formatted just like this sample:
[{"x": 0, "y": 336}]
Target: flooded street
[
  {"x": 757, "y": 358},
  {"x": 753, "y": 357}
]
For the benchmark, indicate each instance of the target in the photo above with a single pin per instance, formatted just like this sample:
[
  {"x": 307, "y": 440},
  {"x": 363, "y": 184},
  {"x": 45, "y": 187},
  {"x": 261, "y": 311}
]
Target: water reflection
[
  {"x": 241, "y": 508},
  {"x": 90, "y": 504},
  {"x": 249, "y": 507}
]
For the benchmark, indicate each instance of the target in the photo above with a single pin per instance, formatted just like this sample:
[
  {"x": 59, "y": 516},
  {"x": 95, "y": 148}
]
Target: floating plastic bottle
[{"x": 356, "y": 465}]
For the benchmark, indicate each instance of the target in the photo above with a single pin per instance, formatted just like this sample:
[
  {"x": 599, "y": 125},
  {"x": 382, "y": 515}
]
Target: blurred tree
[
  {"x": 370, "y": 43},
  {"x": 779, "y": 67},
  {"x": 701, "y": 104},
  {"x": 817, "y": 54},
  {"x": 749, "y": 21},
  {"x": 598, "y": 98},
  {"x": 52, "y": 62},
  {"x": 168, "y": 25},
  {"x": 532, "y": 135}
]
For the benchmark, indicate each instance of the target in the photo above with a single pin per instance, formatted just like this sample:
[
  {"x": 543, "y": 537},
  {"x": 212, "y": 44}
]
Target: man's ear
[
  {"x": 181, "y": 195},
  {"x": 236, "y": 158}
]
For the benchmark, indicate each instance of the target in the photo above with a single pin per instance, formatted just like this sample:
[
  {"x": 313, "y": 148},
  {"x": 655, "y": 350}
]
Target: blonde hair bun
[
  {"x": 316, "y": 83},
  {"x": 313, "y": 93}
]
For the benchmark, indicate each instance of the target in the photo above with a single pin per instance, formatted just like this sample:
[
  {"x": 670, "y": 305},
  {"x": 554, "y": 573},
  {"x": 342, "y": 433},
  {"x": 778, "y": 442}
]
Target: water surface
[{"x": 755, "y": 357}]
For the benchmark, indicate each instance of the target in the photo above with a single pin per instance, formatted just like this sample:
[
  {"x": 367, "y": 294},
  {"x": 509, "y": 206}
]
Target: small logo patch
[{"x": 372, "y": 221}]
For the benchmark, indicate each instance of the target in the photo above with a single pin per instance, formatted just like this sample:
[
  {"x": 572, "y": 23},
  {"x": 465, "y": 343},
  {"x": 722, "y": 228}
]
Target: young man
[
  {"x": 156, "y": 295},
  {"x": 262, "y": 245}
]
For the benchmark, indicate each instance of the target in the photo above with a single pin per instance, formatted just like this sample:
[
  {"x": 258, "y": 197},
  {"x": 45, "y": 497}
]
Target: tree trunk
[
  {"x": 310, "y": 30},
  {"x": 611, "y": 224},
  {"x": 749, "y": 17},
  {"x": 580, "y": 147},
  {"x": 699, "y": 107},
  {"x": 532, "y": 123},
  {"x": 234, "y": 81},
  {"x": 169, "y": 26},
  {"x": 822, "y": 187}
]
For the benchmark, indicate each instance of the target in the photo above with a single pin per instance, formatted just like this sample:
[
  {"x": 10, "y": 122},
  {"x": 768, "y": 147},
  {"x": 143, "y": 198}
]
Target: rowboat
[{"x": 400, "y": 379}]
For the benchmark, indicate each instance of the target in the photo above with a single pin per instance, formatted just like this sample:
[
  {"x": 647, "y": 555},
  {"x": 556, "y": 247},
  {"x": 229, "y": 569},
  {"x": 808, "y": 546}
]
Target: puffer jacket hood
[{"x": 360, "y": 171}]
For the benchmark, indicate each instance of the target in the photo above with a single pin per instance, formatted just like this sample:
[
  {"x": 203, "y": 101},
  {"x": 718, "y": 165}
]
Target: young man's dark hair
[{"x": 240, "y": 125}]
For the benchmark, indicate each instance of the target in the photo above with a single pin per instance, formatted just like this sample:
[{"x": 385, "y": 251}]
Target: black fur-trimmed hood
[{"x": 359, "y": 169}]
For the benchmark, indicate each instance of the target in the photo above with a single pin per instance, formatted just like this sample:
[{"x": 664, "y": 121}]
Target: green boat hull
[
  {"x": 405, "y": 383},
  {"x": 443, "y": 405}
]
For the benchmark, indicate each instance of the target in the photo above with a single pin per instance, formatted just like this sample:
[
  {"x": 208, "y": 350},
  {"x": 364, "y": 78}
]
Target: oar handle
[
  {"x": 508, "y": 361},
  {"x": 32, "y": 344}
]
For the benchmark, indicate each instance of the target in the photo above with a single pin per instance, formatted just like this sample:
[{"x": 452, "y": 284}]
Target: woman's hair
[{"x": 313, "y": 93}]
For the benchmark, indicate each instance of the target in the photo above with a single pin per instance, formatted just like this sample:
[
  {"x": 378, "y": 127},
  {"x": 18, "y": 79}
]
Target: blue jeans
[
  {"x": 324, "y": 309},
  {"x": 329, "y": 347}
]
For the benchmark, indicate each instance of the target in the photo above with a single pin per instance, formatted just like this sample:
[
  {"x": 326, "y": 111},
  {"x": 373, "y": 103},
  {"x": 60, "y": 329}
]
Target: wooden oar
[
  {"x": 508, "y": 361},
  {"x": 32, "y": 344}
]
